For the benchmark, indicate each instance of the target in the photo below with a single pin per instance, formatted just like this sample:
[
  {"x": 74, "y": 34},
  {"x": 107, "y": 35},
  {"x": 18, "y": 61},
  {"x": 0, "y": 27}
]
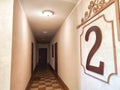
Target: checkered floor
[{"x": 44, "y": 79}]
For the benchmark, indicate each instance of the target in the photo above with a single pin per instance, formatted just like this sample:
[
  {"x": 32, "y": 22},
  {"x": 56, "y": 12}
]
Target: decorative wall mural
[
  {"x": 100, "y": 69},
  {"x": 97, "y": 46},
  {"x": 94, "y": 8},
  {"x": 97, "y": 6},
  {"x": 118, "y": 17}
]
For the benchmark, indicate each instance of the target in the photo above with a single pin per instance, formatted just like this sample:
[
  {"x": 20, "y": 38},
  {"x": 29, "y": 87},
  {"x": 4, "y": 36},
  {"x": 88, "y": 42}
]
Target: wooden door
[
  {"x": 56, "y": 58},
  {"x": 43, "y": 56}
]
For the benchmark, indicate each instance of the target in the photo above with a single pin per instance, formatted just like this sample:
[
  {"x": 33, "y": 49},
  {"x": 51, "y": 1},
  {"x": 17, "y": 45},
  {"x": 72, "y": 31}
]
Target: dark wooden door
[
  {"x": 43, "y": 56},
  {"x": 56, "y": 58}
]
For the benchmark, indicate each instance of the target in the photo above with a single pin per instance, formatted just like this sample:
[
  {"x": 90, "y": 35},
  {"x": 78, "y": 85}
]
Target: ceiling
[{"x": 44, "y": 27}]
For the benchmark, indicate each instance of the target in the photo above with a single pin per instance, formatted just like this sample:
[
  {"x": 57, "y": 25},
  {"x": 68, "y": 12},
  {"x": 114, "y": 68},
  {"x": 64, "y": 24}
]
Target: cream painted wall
[
  {"x": 21, "y": 49},
  {"x": 88, "y": 82},
  {"x": 69, "y": 66},
  {"x": 48, "y": 50},
  {"x": 68, "y": 63},
  {"x": 6, "y": 20}
]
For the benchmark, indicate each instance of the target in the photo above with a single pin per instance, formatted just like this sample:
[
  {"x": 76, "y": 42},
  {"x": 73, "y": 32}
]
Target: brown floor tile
[{"x": 44, "y": 79}]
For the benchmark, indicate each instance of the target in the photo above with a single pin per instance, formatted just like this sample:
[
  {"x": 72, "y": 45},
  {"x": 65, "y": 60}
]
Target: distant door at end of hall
[{"x": 43, "y": 56}]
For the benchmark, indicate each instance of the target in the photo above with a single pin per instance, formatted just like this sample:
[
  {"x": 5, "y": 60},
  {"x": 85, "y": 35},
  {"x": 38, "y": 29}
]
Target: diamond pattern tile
[{"x": 45, "y": 79}]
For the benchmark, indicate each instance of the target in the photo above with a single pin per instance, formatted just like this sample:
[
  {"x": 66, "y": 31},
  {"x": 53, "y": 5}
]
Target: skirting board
[
  {"x": 59, "y": 79},
  {"x": 29, "y": 83}
]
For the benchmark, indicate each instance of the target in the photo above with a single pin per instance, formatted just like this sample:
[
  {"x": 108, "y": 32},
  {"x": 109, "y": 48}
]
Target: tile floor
[{"x": 45, "y": 79}]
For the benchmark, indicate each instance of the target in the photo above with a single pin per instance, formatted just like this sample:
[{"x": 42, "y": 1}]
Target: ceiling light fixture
[
  {"x": 45, "y": 32},
  {"x": 47, "y": 13}
]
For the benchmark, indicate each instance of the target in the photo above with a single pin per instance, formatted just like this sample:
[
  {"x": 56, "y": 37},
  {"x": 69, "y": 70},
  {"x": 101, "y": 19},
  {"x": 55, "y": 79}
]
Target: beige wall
[
  {"x": 48, "y": 50},
  {"x": 88, "y": 82},
  {"x": 21, "y": 49},
  {"x": 69, "y": 66},
  {"x": 68, "y": 63},
  {"x": 6, "y": 20}
]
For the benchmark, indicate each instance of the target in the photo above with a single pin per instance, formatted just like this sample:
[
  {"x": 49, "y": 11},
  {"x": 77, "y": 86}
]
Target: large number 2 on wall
[{"x": 100, "y": 69}]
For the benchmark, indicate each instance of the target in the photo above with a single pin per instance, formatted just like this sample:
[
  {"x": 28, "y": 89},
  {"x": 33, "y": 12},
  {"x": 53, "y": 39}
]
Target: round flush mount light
[
  {"x": 47, "y": 13},
  {"x": 45, "y": 32}
]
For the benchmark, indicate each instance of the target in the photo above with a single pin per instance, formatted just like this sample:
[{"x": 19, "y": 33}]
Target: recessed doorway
[
  {"x": 56, "y": 58},
  {"x": 43, "y": 56}
]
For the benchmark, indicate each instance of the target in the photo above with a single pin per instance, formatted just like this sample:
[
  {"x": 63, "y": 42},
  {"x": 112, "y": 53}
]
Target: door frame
[
  {"x": 56, "y": 58},
  {"x": 32, "y": 56}
]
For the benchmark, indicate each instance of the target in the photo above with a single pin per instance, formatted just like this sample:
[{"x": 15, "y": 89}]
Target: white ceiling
[{"x": 40, "y": 23}]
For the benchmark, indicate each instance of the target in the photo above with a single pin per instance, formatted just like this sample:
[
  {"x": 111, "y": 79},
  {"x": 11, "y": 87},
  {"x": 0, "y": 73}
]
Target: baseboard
[
  {"x": 29, "y": 83},
  {"x": 51, "y": 68},
  {"x": 63, "y": 84},
  {"x": 60, "y": 80}
]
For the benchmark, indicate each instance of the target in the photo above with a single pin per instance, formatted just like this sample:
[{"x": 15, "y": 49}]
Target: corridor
[
  {"x": 78, "y": 39},
  {"x": 44, "y": 79}
]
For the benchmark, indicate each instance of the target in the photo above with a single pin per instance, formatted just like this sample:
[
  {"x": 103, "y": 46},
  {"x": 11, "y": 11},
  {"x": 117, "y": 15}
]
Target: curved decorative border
[
  {"x": 94, "y": 8},
  {"x": 114, "y": 50},
  {"x": 118, "y": 17}
]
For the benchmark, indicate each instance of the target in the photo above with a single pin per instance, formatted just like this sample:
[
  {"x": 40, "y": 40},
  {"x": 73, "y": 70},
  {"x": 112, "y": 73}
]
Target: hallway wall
[
  {"x": 21, "y": 49},
  {"x": 69, "y": 59},
  {"x": 6, "y": 20},
  {"x": 68, "y": 63}
]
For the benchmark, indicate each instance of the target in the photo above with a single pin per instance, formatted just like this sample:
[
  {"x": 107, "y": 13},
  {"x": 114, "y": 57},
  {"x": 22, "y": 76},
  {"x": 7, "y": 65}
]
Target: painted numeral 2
[{"x": 100, "y": 69}]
